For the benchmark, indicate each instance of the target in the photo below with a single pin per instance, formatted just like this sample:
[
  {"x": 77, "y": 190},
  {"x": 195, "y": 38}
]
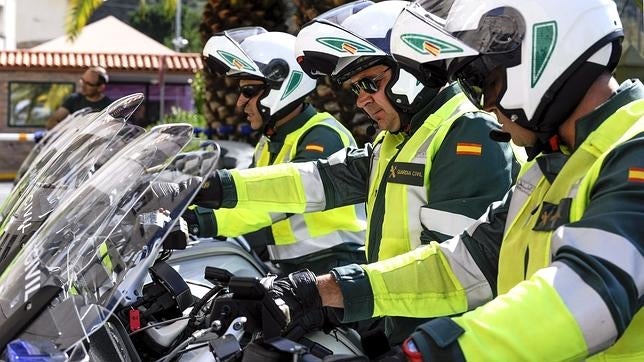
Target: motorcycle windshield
[
  {"x": 51, "y": 136},
  {"x": 84, "y": 153},
  {"x": 67, "y": 137},
  {"x": 77, "y": 268}
]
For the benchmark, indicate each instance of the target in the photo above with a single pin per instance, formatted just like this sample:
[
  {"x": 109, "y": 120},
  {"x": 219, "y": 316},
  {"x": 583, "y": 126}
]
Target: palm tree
[{"x": 80, "y": 11}]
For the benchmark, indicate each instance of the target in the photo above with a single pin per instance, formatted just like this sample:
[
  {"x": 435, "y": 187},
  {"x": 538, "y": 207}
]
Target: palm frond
[{"x": 79, "y": 12}]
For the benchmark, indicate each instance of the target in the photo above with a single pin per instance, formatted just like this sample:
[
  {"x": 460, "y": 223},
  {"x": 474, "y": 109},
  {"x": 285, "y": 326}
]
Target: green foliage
[
  {"x": 199, "y": 91},
  {"x": 157, "y": 20},
  {"x": 152, "y": 21},
  {"x": 178, "y": 115}
]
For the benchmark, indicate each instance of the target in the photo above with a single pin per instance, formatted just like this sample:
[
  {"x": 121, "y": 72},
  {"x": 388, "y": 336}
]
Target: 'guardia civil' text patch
[{"x": 406, "y": 173}]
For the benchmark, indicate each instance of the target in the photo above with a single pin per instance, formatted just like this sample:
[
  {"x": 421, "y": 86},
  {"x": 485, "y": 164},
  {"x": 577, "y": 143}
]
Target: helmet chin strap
[
  {"x": 269, "y": 121},
  {"x": 371, "y": 129},
  {"x": 406, "y": 114},
  {"x": 500, "y": 136}
]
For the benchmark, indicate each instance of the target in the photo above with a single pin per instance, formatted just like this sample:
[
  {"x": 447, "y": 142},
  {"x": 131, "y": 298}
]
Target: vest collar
[
  {"x": 627, "y": 92},
  {"x": 551, "y": 164},
  {"x": 438, "y": 101},
  {"x": 277, "y": 139}
]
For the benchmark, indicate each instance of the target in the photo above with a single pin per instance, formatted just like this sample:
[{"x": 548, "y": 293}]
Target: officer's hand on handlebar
[
  {"x": 299, "y": 294},
  {"x": 201, "y": 221},
  {"x": 210, "y": 194}
]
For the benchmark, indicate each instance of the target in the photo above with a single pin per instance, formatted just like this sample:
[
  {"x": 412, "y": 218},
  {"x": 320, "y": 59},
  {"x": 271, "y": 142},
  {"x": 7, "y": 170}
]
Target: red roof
[{"x": 47, "y": 60}]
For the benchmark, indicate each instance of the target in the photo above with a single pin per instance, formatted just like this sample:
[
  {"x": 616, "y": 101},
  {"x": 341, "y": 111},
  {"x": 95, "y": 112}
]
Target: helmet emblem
[
  {"x": 424, "y": 44},
  {"x": 293, "y": 82},
  {"x": 345, "y": 45},
  {"x": 431, "y": 48},
  {"x": 544, "y": 39},
  {"x": 348, "y": 47},
  {"x": 235, "y": 62}
]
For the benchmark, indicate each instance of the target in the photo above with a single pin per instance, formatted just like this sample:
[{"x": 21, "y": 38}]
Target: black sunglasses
[
  {"x": 251, "y": 90},
  {"x": 83, "y": 81},
  {"x": 367, "y": 84}
]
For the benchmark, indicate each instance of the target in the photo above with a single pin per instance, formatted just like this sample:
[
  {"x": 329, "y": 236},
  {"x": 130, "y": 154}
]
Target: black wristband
[
  {"x": 306, "y": 289},
  {"x": 207, "y": 222},
  {"x": 437, "y": 340}
]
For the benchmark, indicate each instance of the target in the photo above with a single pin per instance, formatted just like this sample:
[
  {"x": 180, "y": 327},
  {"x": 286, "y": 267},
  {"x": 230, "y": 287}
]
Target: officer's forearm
[{"x": 330, "y": 291}]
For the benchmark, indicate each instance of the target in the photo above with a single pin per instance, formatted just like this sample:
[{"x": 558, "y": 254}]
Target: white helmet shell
[
  {"x": 267, "y": 56},
  {"x": 420, "y": 43},
  {"x": 557, "y": 37},
  {"x": 353, "y": 37}
]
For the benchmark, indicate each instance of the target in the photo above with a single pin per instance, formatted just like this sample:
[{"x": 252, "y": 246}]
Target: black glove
[
  {"x": 201, "y": 221},
  {"x": 298, "y": 291},
  {"x": 177, "y": 238},
  {"x": 210, "y": 194}
]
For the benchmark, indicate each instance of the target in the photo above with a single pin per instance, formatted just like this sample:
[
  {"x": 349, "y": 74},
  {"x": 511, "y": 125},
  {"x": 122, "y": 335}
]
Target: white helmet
[
  {"x": 254, "y": 53},
  {"x": 548, "y": 53},
  {"x": 355, "y": 36},
  {"x": 419, "y": 44}
]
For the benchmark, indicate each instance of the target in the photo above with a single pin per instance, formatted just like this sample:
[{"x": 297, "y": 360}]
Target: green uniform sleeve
[
  {"x": 319, "y": 142},
  {"x": 590, "y": 295},
  {"x": 469, "y": 172},
  {"x": 439, "y": 279},
  {"x": 338, "y": 180}
]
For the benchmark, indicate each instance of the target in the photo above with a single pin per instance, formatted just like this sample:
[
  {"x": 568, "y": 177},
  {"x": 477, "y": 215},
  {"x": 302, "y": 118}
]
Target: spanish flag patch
[
  {"x": 469, "y": 149},
  {"x": 636, "y": 174},
  {"x": 314, "y": 148}
]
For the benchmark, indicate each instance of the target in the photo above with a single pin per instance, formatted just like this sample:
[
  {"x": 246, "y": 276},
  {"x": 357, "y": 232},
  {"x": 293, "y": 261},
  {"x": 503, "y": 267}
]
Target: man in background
[{"x": 92, "y": 95}]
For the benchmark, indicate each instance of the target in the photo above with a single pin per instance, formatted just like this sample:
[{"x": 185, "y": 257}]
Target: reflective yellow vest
[
  {"x": 305, "y": 234},
  {"x": 400, "y": 230},
  {"x": 575, "y": 181}
]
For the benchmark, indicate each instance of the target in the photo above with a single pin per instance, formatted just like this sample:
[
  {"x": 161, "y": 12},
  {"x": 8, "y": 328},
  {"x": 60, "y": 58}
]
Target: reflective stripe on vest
[
  {"x": 574, "y": 181},
  {"x": 401, "y": 229},
  {"x": 305, "y": 234}
]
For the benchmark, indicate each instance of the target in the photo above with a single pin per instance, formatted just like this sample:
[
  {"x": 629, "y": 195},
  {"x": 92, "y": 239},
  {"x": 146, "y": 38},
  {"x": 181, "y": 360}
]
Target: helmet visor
[
  {"x": 223, "y": 54},
  {"x": 498, "y": 40},
  {"x": 438, "y": 8},
  {"x": 482, "y": 79},
  {"x": 500, "y": 30},
  {"x": 239, "y": 34},
  {"x": 339, "y": 14}
]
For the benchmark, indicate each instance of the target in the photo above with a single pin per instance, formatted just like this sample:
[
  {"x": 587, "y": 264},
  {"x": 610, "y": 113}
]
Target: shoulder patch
[
  {"x": 469, "y": 149},
  {"x": 636, "y": 174},
  {"x": 314, "y": 148}
]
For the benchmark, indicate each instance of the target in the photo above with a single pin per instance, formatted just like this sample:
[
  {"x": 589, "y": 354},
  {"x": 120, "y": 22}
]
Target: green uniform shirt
[
  {"x": 613, "y": 216},
  {"x": 328, "y": 140},
  {"x": 319, "y": 141}
]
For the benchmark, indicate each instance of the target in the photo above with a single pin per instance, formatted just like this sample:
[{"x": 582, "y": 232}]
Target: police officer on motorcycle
[
  {"x": 552, "y": 270},
  {"x": 430, "y": 172},
  {"x": 272, "y": 92}
]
